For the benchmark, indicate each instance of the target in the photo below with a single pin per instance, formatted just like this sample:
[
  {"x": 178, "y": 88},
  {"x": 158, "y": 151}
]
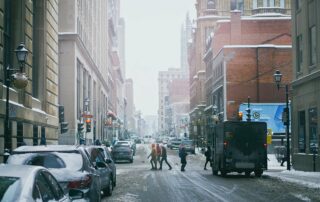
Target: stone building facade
[
  {"x": 33, "y": 111},
  {"x": 305, "y": 87}
]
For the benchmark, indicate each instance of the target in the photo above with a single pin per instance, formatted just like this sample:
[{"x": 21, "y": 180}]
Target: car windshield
[
  {"x": 70, "y": 160},
  {"x": 9, "y": 187}
]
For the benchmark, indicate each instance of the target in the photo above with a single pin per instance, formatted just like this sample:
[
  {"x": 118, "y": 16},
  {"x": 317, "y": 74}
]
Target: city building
[
  {"x": 130, "y": 109},
  {"x": 32, "y": 110},
  {"x": 305, "y": 87},
  {"x": 179, "y": 107},
  {"x": 91, "y": 72},
  {"x": 164, "y": 79}
]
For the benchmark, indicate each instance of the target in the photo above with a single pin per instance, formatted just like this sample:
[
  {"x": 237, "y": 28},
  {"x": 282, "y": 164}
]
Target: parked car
[
  {"x": 69, "y": 164},
  {"x": 189, "y": 146},
  {"x": 122, "y": 151},
  {"x": 108, "y": 159},
  {"x": 175, "y": 143},
  {"x": 25, "y": 183},
  {"x": 104, "y": 170}
]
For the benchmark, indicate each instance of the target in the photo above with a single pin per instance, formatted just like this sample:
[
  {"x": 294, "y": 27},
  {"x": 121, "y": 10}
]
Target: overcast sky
[{"x": 152, "y": 44}]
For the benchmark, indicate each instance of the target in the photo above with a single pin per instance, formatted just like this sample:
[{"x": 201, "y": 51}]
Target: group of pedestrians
[{"x": 158, "y": 155}]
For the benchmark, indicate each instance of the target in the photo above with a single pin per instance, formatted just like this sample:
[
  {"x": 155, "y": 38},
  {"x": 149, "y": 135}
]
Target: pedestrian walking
[
  {"x": 208, "y": 157},
  {"x": 164, "y": 157},
  {"x": 158, "y": 149},
  {"x": 153, "y": 155},
  {"x": 183, "y": 157}
]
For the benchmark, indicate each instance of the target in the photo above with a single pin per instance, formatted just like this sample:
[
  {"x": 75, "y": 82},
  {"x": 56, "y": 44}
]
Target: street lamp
[
  {"x": 20, "y": 80},
  {"x": 277, "y": 78}
]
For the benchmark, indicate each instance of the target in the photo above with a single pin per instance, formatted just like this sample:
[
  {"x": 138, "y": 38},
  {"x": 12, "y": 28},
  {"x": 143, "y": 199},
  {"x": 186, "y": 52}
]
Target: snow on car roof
[
  {"x": 17, "y": 170},
  {"x": 46, "y": 148}
]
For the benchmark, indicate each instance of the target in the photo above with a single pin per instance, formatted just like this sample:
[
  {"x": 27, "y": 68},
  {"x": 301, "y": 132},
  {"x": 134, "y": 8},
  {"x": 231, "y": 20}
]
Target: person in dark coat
[
  {"x": 183, "y": 156},
  {"x": 208, "y": 157},
  {"x": 164, "y": 157}
]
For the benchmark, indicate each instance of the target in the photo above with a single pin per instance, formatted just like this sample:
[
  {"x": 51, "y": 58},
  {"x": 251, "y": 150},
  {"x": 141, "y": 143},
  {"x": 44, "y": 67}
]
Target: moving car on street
[
  {"x": 69, "y": 164},
  {"x": 32, "y": 183},
  {"x": 175, "y": 143},
  {"x": 189, "y": 146},
  {"x": 122, "y": 151}
]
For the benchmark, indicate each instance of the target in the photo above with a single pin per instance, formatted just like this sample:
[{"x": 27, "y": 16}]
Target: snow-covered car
[
  {"x": 104, "y": 170},
  {"x": 31, "y": 183},
  {"x": 108, "y": 159},
  {"x": 69, "y": 164}
]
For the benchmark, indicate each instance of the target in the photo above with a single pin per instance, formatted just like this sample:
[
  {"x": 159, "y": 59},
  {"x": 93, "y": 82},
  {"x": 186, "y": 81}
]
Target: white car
[{"x": 26, "y": 183}]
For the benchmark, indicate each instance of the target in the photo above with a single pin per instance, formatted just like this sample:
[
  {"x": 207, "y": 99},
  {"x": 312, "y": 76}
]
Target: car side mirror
[
  {"x": 76, "y": 194},
  {"x": 100, "y": 165},
  {"x": 108, "y": 161}
]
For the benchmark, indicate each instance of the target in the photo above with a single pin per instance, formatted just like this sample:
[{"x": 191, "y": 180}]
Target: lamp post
[
  {"x": 277, "y": 78},
  {"x": 20, "y": 81}
]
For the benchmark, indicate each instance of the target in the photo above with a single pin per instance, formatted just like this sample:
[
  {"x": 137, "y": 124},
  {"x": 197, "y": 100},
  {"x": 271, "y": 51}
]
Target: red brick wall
[
  {"x": 247, "y": 76},
  {"x": 251, "y": 31}
]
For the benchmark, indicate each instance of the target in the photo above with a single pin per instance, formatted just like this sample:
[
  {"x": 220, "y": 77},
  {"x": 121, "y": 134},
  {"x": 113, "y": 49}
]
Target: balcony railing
[{"x": 264, "y": 10}]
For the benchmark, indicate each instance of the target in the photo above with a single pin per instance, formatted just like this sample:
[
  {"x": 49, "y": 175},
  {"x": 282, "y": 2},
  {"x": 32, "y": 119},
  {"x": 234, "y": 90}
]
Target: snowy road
[{"x": 136, "y": 182}]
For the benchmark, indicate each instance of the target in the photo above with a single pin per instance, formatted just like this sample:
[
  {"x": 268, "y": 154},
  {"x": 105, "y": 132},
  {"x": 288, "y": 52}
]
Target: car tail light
[{"x": 83, "y": 183}]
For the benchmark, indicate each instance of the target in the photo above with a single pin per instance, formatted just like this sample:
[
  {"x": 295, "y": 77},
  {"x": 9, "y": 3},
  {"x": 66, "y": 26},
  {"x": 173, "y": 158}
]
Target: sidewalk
[{"x": 308, "y": 179}]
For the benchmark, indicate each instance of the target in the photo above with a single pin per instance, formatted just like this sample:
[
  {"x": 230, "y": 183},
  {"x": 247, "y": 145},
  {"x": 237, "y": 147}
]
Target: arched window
[{"x": 211, "y": 4}]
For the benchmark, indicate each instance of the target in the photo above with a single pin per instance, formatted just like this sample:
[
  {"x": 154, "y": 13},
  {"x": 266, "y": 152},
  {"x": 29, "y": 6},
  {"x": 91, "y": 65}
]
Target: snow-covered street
[{"x": 136, "y": 182}]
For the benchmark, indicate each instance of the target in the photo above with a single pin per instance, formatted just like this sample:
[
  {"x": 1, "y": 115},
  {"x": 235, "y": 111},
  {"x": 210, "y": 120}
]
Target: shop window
[
  {"x": 302, "y": 131},
  {"x": 313, "y": 128}
]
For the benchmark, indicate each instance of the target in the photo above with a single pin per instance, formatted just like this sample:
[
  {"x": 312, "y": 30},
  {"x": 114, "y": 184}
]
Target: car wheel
[
  {"x": 108, "y": 190},
  {"x": 258, "y": 173},
  {"x": 114, "y": 182}
]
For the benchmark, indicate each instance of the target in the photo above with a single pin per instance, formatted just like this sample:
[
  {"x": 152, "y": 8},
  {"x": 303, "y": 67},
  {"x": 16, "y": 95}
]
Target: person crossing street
[{"x": 164, "y": 157}]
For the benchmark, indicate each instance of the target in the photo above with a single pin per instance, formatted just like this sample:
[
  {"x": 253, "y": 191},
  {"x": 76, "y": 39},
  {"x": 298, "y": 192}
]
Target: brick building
[{"x": 241, "y": 58}]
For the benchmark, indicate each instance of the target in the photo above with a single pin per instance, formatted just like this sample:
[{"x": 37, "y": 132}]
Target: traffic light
[
  {"x": 240, "y": 115},
  {"x": 61, "y": 114},
  {"x": 88, "y": 125},
  {"x": 248, "y": 110},
  {"x": 80, "y": 127},
  {"x": 64, "y": 127}
]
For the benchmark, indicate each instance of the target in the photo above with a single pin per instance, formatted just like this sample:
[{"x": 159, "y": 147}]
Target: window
[
  {"x": 254, "y": 4},
  {"x": 236, "y": 5},
  {"x": 211, "y": 4},
  {"x": 44, "y": 188},
  {"x": 299, "y": 53},
  {"x": 313, "y": 45},
  {"x": 298, "y": 4},
  {"x": 302, "y": 131},
  {"x": 20, "y": 141},
  {"x": 54, "y": 185},
  {"x": 313, "y": 128},
  {"x": 282, "y": 4},
  {"x": 35, "y": 135},
  {"x": 78, "y": 88}
]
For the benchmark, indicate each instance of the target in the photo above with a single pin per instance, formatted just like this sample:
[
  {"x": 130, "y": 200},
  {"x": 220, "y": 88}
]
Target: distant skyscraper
[{"x": 186, "y": 30}]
